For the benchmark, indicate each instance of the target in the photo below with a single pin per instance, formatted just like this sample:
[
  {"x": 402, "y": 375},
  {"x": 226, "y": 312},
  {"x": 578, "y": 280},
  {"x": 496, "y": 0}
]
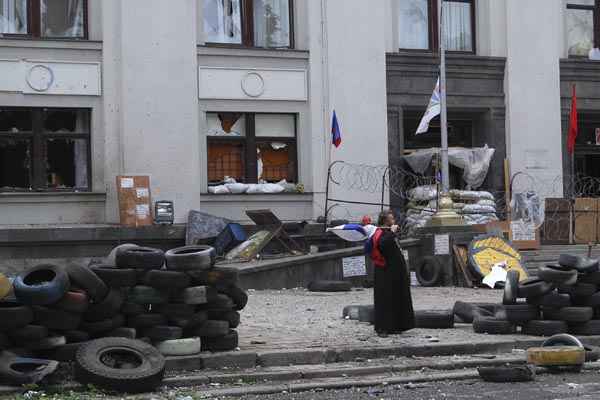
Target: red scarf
[{"x": 376, "y": 255}]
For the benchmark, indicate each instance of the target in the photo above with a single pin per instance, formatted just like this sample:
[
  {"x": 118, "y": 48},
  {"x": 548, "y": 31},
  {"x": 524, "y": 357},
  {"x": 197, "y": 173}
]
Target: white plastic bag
[
  {"x": 221, "y": 189},
  {"x": 236, "y": 188}
]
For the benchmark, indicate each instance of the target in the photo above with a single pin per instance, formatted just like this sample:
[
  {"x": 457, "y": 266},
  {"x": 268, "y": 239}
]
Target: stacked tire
[
  {"x": 178, "y": 301},
  {"x": 564, "y": 298}
]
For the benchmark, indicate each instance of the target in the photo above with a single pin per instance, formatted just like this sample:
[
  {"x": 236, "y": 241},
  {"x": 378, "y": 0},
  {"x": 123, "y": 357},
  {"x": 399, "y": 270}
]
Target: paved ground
[
  {"x": 297, "y": 318},
  {"x": 547, "y": 387}
]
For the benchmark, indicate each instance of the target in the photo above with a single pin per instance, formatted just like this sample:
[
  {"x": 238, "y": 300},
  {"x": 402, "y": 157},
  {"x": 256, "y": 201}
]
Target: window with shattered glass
[
  {"x": 44, "y": 149},
  {"x": 582, "y": 26},
  {"x": 251, "y": 148},
  {"x": 64, "y": 19},
  {"x": 252, "y": 23}
]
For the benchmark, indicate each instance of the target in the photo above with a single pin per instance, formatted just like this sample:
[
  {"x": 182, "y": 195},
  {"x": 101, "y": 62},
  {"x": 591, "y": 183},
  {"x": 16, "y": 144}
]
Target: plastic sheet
[
  {"x": 474, "y": 162},
  {"x": 527, "y": 206}
]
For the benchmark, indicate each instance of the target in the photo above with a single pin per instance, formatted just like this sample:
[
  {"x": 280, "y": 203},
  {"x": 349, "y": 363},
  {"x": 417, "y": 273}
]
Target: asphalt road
[{"x": 547, "y": 387}]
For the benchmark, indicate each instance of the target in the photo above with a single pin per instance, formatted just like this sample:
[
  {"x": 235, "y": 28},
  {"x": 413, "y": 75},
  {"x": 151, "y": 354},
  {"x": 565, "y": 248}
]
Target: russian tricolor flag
[{"x": 336, "y": 133}]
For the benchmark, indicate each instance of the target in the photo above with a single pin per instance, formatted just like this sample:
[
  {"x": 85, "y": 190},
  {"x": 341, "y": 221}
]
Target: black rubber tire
[
  {"x": 145, "y": 377},
  {"x": 199, "y": 295},
  {"x": 115, "y": 277},
  {"x": 47, "y": 343},
  {"x": 232, "y": 317},
  {"x": 544, "y": 328},
  {"x": 238, "y": 295},
  {"x": 111, "y": 260},
  {"x": 147, "y": 295},
  {"x": 86, "y": 279},
  {"x": 76, "y": 336},
  {"x": 579, "y": 289},
  {"x": 557, "y": 275},
  {"x": 5, "y": 342},
  {"x": 222, "y": 301},
  {"x": 216, "y": 277},
  {"x": 28, "y": 333},
  {"x": 65, "y": 353},
  {"x": 191, "y": 258},
  {"x": 13, "y": 315},
  {"x": 107, "y": 308},
  {"x": 512, "y": 373},
  {"x": 493, "y": 326},
  {"x": 56, "y": 320},
  {"x": 98, "y": 327},
  {"x": 563, "y": 339},
  {"x": 568, "y": 260},
  {"x": 73, "y": 301},
  {"x": 210, "y": 329},
  {"x": 197, "y": 319},
  {"x": 129, "y": 333},
  {"x": 41, "y": 285},
  {"x": 592, "y": 277},
  {"x": 229, "y": 342},
  {"x": 174, "y": 311},
  {"x": 429, "y": 271},
  {"x": 587, "y": 265},
  {"x": 568, "y": 314},
  {"x": 552, "y": 299},
  {"x": 143, "y": 321},
  {"x": 131, "y": 309},
  {"x": 534, "y": 288},
  {"x": 367, "y": 314},
  {"x": 141, "y": 258},
  {"x": 161, "y": 333},
  {"x": 468, "y": 311},
  {"x": 329, "y": 286},
  {"x": 589, "y": 301},
  {"x": 12, "y": 373},
  {"x": 590, "y": 328},
  {"x": 434, "y": 319},
  {"x": 592, "y": 354},
  {"x": 511, "y": 288},
  {"x": 167, "y": 280},
  {"x": 521, "y": 313}
]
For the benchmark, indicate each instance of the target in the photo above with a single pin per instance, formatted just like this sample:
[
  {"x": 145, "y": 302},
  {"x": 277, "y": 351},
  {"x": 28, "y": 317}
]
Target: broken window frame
[
  {"x": 250, "y": 143},
  {"x": 595, "y": 10},
  {"x": 433, "y": 33},
  {"x": 247, "y": 26},
  {"x": 38, "y": 138},
  {"x": 34, "y": 24}
]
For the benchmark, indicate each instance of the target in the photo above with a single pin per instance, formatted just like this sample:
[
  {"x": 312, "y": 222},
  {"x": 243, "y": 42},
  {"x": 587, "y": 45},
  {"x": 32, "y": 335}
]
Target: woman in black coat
[{"x": 393, "y": 303}]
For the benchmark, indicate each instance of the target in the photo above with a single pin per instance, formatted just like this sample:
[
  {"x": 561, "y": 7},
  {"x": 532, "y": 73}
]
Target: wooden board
[
  {"x": 557, "y": 221},
  {"x": 135, "y": 206},
  {"x": 461, "y": 258},
  {"x": 586, "y": 220}
]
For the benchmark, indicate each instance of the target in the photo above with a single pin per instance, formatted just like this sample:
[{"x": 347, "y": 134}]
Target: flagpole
[{"x": 443, "y": 109}]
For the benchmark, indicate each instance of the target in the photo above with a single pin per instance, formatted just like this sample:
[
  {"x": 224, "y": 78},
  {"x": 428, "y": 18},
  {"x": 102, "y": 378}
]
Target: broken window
[
  {"x": 44, "y": 149},
  {"x": 583, "y": 17},
  {"x": 13, "y": 17},
  {"x": 44, "y": 18},
  {"x": 259, "y": 23},
  {"x": 258, "y": 147}
]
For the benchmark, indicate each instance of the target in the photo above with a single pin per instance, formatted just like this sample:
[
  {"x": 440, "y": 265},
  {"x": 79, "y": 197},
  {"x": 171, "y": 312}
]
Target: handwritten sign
[
  {"x": 354, "y": 266},
  {"x": 441, "y": 245}
]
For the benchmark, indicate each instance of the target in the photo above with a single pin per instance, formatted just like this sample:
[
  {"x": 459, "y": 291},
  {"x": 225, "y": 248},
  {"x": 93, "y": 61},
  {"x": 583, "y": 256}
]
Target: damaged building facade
[{"x": 201, "y": 91}]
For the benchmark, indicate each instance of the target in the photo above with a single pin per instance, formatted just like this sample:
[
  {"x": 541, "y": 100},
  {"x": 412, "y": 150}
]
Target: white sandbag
[
  {"x": 221, "y": 189},
  {"x": 470, "y": 195},
  {"x": 423, "y": 193},
  {"x": 487, "y": 202},
  {"x": 264, "y": 188},
  {"x": 477, "y": 209},
  {"x": 236, "y": 188}
]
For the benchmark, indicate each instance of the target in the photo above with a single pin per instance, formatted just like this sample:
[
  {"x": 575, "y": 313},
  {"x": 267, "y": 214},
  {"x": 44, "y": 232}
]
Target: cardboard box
[
  {"x": 135, "y": 206},
  {"x": 586, "y": 220}
]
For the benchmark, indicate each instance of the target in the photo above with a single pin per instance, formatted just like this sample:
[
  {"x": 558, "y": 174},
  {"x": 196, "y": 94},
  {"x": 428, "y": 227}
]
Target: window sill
[
  {"x": 241, "y": 51},
  {"x": 52, "y": 197},
  {"x": 39, "y": 43},
  {"x": 262, "y": 197}
]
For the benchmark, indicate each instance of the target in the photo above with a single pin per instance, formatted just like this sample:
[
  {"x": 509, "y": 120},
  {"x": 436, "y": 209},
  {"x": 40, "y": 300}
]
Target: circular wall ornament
[
  {"x": 40, "y": 78},
  {"x": 253, "y": 84}
]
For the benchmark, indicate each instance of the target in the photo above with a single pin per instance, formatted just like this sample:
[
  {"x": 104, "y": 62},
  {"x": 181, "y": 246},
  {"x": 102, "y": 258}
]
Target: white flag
[{"x": 433, "y": 110}]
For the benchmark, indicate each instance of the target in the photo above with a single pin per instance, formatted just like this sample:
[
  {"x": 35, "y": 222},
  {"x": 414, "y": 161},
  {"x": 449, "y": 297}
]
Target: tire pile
[
  {"x": 564, "y": 298},
  {"x": 177, "y": 301}
]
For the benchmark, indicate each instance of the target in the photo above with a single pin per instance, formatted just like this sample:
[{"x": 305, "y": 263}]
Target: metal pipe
[{"x": 443, "y": 111}]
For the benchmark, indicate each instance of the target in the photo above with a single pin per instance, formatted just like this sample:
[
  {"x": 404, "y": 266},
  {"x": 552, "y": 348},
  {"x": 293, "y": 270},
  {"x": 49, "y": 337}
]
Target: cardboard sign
[
  {"x": 134, "y": 200},
  {"x": 441, "y": 245},
  {"x": 522, "y": 231},
  {"x": 354, "y": 266}
]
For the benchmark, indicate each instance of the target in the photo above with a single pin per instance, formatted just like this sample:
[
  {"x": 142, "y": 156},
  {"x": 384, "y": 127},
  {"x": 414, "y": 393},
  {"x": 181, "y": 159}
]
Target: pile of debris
[
  {"x": 563, "y": 298},
  {"x": 178, "y": 302},
  {"x": 476, "y": 207}
]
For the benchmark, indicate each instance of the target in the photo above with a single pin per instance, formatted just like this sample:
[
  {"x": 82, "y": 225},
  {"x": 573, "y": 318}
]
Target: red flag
[{"x": 573, "y": 130}]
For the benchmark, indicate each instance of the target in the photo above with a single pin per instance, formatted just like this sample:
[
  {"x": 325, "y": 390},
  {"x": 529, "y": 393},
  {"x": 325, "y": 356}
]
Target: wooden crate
[
  {"x": 557, "y": 221},
  {"x": 585, "y": 218},
  {"x": 135, "y": 207}
]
